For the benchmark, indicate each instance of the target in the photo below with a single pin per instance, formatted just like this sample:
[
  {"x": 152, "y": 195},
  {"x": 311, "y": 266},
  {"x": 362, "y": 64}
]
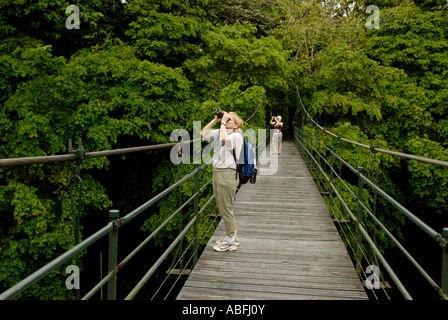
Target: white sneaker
[
  {"x": 225, "y": 246},
  {"x": 236, "y": 242}
]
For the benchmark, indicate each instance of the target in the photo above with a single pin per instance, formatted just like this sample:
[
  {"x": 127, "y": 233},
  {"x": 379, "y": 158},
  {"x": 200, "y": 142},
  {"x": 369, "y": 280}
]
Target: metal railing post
[
  {"x": 304, "y": 146},
  {"x": 359, "y": 234},
  {"x": 311, "y": 150},
  {"x": 319, "y": 154},
  {"x": 113, "y": 255},
  {"x": 302, "y": 140},
  {"x": 181, "y": 219},
  {"x": 331, "y": 181},
  {"x": 445, "y": 263},
  {"x": 196, "y": 210},
  {"x": 309, "y": 154}
]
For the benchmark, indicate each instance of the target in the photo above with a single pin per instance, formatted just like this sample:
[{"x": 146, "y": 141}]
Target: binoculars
[{"x": 218, "y": 112}]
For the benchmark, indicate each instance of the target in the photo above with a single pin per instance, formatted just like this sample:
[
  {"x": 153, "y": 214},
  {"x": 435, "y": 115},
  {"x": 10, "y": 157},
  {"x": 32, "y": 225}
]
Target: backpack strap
[
  {"x": 236, "y": 165},
  {"x": 234, "y": 156}
]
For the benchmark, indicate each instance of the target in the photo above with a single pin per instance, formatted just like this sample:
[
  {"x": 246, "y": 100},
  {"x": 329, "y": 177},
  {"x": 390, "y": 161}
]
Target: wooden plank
[
  {"x": 317, "y": 281},
  {"x": 289, "y": 246},
  {"x": 177, "y": 272},
  {"x": 272, "y": 288}
]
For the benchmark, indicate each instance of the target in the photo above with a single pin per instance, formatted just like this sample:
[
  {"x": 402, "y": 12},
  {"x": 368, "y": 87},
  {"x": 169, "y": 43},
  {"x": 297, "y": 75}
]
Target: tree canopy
[{"x": 136, "y": 70}]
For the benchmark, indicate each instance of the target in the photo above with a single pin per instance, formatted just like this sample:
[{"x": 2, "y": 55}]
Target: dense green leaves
[
  {"x": 429, "y": 183},
  {"x": 233, "y": 53},
  {"x": 416, "y": 41},
  {"x": 166, "y": 31},
  {"x": 137, "y": 70}
]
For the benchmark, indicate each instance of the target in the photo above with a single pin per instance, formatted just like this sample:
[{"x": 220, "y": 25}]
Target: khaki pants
[{"x": 224, "y": 188}]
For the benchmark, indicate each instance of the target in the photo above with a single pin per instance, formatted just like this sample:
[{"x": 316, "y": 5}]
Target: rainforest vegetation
[{"x": 133, "y": 71}]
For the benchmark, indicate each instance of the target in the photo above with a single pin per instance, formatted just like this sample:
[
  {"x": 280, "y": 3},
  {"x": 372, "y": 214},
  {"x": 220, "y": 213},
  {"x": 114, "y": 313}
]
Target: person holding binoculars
[
  {"x": 227, "y": 138},
  {"x": 277, "y": 136}
]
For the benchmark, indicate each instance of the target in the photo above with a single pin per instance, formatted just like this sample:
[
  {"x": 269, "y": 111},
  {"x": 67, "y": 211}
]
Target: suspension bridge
[
  {"x": 301, "y": 237},
  {"x": 289, "y": 245}
]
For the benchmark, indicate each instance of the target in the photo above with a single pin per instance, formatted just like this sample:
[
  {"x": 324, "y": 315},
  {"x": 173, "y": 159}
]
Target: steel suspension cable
[
  {"x": 393, "y": 153},
  {"x": 185, "y": 253},
  {"x": 10, "y": 162}
]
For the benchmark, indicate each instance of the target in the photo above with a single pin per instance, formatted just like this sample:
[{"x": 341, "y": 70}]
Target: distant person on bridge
[
  {"x": 225, "y": 178},
  {"x": 277, "y": 136}
]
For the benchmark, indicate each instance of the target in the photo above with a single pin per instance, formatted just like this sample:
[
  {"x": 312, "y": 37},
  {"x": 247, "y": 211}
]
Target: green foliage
[
  {"x": 136, "y": 71},
  {"x": 304, "y": 29},
  {"x": 232, "y": 54},
  {"x": 244, "y": 103},
  {"x": 101, "y": 20},
  {"x": 416, "y": 41},
  {"x": 235, "y": 60},
  {"x": 262, "y": 14},
  {"x": 347, "y": 84},
  {"x": 99, "y": 95},
  {"x": 166, "y": 31},
  {"x": 128, "y": 96},
  {"x": 429, "y": 183}
]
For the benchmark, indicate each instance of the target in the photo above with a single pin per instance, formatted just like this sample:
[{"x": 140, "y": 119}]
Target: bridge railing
[
  {"x": 322, "y": 160},
  {"x": 115, "y": 223}
]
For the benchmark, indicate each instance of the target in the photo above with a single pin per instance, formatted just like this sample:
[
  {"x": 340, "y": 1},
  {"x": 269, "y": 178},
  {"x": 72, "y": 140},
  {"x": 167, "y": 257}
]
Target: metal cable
[
  {"x": 185, "y": 252},
  {"x": 347, "y": 210},
  {"x": 420, "y": 223},
  {"x": 10, "y": 162},
  {"x": 375, "y": 149},
  {"x": 261, "y": 102}
]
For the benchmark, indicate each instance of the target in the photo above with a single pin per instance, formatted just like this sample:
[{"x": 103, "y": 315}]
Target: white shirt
[{"x": 223, "y": 153}]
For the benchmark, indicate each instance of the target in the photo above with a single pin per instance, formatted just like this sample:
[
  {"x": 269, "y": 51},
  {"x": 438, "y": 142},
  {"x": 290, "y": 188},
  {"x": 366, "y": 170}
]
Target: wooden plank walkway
[{"x": 289, "y": 246}]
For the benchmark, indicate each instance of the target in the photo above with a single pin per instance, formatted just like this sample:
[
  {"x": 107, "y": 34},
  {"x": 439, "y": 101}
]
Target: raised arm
[{"x": 205, "y": 132}]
